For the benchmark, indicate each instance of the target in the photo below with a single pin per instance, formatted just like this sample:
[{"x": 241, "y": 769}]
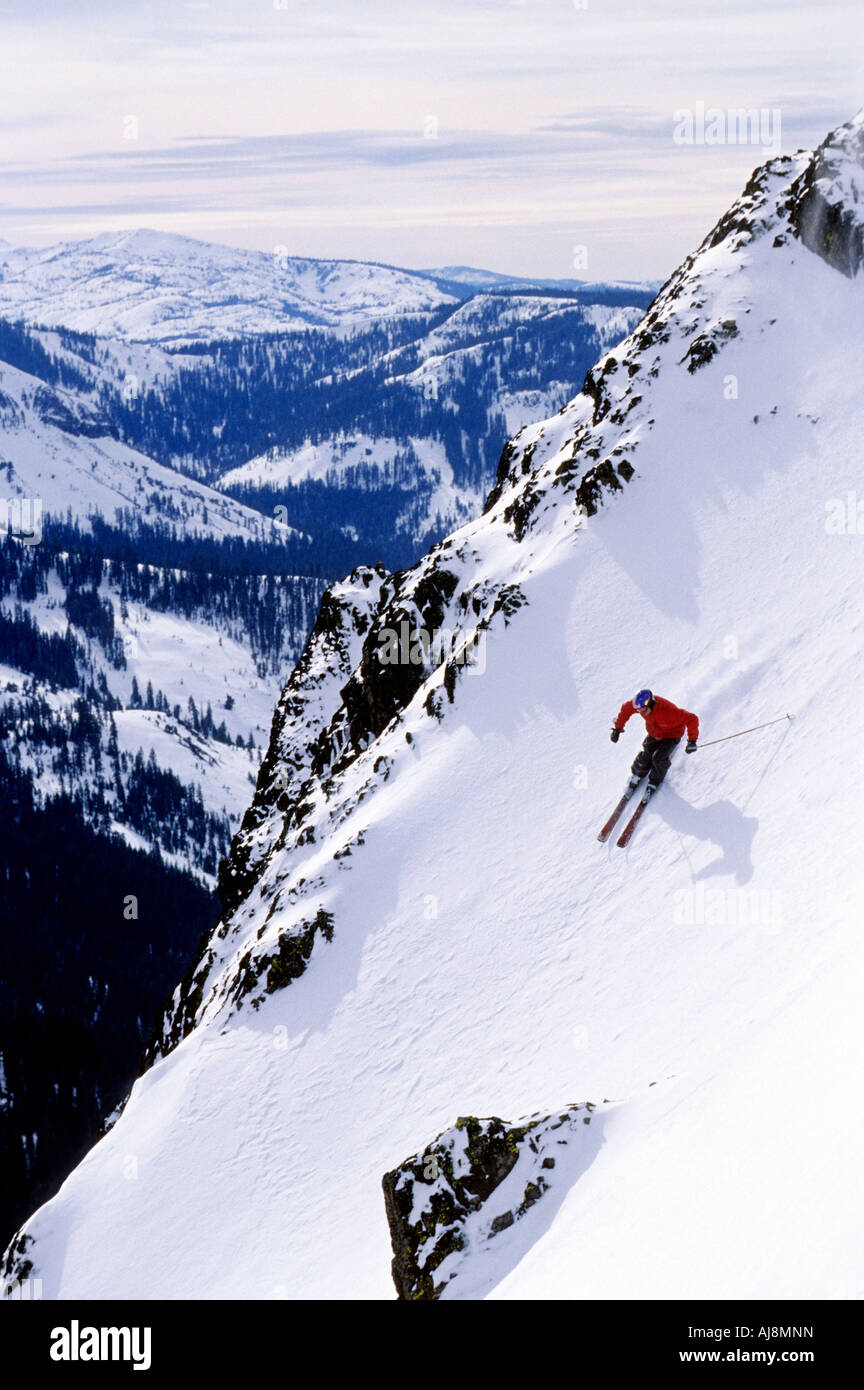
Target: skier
[{"x": 666, "y": 725}]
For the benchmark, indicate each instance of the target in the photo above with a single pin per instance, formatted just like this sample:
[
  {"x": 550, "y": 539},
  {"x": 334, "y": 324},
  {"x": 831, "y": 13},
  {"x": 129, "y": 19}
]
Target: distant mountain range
[{"x": 158, "y": 287}]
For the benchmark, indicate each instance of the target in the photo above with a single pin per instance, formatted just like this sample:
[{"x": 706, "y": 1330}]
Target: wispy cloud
[{"x": 264, "y": 122}]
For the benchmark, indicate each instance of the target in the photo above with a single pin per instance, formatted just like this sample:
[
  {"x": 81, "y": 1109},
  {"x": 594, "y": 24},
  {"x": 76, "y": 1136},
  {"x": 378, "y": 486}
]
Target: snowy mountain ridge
[
  {"x": 418, "y": 921},
  {"x": 163, "y": 288},
  {"x": 59, "y": 447}
]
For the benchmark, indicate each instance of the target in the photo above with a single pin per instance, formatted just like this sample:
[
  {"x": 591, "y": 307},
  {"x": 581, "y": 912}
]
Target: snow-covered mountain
[
  {"x": 57, "y": 447},
  {"x": 147, "y": 623},
  {"x": 437, "y": 393},
  {"x": 422, "y": 936},
  {"x": 61, "y": 463},
  {"x": 62, "y": 466},
  {"x": 147, "y": 662},
  {"x": 162, "y": 288},
  {"x": 61, "y": 458}
]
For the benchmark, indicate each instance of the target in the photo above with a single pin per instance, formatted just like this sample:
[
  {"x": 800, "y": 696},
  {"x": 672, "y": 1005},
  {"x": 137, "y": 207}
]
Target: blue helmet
[{"x": 643, "y": 698}]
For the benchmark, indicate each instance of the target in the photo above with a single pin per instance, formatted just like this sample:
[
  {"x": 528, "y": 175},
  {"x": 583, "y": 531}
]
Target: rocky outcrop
[
  {"x": 305, "y": 706},
  {"x": 342, "y": 696},
  {"x": 826, "y": 205},
  {"x": 378, "y": 691},
  {"x": 15, "y": 1268},
  {"x": 469, "y": 1186}
]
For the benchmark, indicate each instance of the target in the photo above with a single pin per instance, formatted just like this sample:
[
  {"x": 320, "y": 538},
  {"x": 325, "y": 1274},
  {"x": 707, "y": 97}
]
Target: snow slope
[
  {"x": 422, "y": 462},
  {"x": 57, "y": 448},
  {"x": 677, "y": 525},
  {"x": 162, "y": 288},
  {"x": 460, "y": 339},
  {"x": 334, "y": 456}
]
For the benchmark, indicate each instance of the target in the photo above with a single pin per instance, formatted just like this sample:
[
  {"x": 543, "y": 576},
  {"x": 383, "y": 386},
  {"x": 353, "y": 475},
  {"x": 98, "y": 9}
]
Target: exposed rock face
[
  {"x": 378, "y": 692},
  {"x": 330, "y": 655},
  {"x": 15, "y": 1267},
  {"x": 341, "y": 697},
  {"x": 468, "y": 1186},
  {"x": 827, "y": 204}
]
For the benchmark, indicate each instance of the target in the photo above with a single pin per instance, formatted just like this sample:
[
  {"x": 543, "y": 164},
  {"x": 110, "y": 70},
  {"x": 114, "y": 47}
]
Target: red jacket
[{"x": 665, "y": 720}]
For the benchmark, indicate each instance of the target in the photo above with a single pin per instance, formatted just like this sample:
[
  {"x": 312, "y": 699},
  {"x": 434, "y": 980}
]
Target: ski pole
[{"x": 745, "y": 731}]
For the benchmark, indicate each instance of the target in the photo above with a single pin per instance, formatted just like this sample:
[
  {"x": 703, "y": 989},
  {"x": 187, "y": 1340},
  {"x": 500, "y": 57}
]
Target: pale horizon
[{"x": 528, "y": 139}]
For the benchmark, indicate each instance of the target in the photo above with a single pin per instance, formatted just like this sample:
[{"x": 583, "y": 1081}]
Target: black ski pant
[{"x": 653, "y": 759}]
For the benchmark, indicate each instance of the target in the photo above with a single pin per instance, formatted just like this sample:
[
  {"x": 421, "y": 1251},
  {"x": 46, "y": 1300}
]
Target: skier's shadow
[{"x": 723, "y": 824}]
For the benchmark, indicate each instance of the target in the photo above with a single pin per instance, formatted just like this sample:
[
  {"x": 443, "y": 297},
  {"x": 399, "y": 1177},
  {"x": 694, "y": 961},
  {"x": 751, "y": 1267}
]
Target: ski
[
  {"x": 607, "y": 829},
  {"x": 626, "y": 833}
]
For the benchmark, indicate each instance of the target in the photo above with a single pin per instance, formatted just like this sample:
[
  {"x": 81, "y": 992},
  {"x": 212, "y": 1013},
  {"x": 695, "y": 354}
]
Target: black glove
[
  {"x": 615, "y": 735},
  {"x": 691, "y": 746}
]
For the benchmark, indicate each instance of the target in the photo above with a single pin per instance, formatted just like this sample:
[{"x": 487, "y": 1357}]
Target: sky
[{"x": 532, "y": 137}]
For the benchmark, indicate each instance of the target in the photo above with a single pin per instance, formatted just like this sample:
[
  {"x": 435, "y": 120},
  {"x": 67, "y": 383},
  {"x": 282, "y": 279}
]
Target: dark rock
[
  {"x": 432, "y": 1198},
  {"x": 828, "y": 226}
]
